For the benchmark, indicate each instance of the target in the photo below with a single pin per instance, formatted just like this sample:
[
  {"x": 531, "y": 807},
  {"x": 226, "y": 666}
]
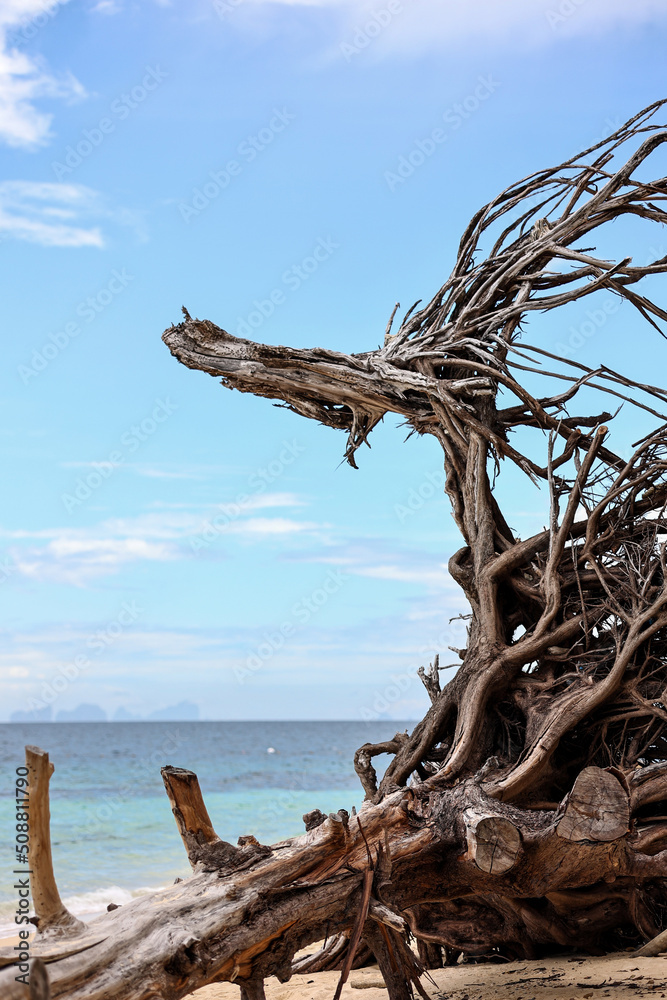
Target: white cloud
[
  {"x": 24, "y": 80},
  {"x": 77, "y": 556},
  {"x": 436, "y": 576},
  {"x": 270, "y": 526},
  {"x": 59, "y": 215},
  {"x": 381, "y": 559},
  {"x": 426, "y": 23},
  {"x": 48, "y": 213},
  {"x": 262, "y": 500},
  {"x": 157, "y": 473},
  {"x": 77, "y": 561},
  {"x": 107, "y": 7}
]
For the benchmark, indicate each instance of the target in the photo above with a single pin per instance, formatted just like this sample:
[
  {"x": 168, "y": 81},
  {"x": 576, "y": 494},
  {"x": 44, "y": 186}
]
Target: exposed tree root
[{"x": 527, "y": 811}]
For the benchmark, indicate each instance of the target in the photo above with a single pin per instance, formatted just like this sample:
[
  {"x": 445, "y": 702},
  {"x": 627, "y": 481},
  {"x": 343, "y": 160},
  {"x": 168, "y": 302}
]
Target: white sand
[{"x": 614, "y": 976}]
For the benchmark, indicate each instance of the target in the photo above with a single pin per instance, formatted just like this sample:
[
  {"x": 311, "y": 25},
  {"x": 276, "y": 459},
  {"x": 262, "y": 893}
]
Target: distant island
[{"x": 184, "y": 711}]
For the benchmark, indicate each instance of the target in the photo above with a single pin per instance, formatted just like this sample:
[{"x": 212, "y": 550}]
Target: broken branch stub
[
  {"x": 494, "y": 843},
  {"x": 190, "y": 812},
  {"x": 54, "y": 919},
  {"x": 204, "y": 847}
]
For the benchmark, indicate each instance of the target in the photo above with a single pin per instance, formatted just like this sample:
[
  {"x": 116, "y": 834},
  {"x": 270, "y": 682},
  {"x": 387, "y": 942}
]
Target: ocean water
[{"x": 112, "y": 831}]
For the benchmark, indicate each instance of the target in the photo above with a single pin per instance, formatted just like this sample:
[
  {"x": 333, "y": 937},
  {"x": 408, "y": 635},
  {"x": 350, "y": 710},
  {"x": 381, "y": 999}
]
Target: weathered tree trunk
[
  {"x": 241, "y": 918},
  {"x": 527, "y": 811}
]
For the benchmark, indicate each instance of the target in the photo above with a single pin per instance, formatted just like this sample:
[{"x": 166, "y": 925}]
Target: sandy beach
[{"x": 615, "y": 976}]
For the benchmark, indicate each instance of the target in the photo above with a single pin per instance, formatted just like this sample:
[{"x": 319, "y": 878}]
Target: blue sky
[{"x": 161, "y": 538}]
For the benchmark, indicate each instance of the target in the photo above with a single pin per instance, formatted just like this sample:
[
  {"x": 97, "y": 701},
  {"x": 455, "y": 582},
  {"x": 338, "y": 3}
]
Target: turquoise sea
[{"x": 112, "y": 830}]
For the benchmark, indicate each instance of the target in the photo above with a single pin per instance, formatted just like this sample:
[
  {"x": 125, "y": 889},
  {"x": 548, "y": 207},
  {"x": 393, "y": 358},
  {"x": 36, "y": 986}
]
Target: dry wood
[
  {"x": 525, "y": 812},
  {"x": 389, "y": 962},
  {"x": 494, "y": 842},
  {"x": 654, "y": 947},
  {"x": 203, "y": 846},
  {"x": 430, "y": 955},
  {"x": 54, "y": 918},
  {"x": 38, "y": 983},
  {"x": 564, "y": 668},
  {"x": 190, "y": 813},
  {"x": 597, "y": 808},
  {"x": 248, "y": 924},
  {"x": 251, "y": 989}
]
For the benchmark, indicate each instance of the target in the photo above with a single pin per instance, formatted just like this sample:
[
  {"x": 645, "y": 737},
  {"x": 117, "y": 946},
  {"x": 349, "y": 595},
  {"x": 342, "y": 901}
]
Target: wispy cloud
[
  {"x": 47, "y": 213},
  {"x": 24, "y": 80},
  {"x": 107, "y": 7},
  {"x": 380, "y": 559},
  {"x": 79, "y": 556},
  {"x": 434, "y": 576},
  {"x": 59, "y": 215},
  {"x": 270, "y": 526},
  {"x": 78, "y": 561},
  {"x": 421, "y": 24},
  {"x": 153, "y": 473},
  {"x": 365, "y": 658}
]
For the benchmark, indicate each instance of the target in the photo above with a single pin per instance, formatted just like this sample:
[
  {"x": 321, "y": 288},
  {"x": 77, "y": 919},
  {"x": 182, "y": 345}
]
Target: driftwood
[
  {"x": 655, "y": 947},
  {"x": 38, "y": 983},
  {"x": 527, "y": 811},
  {"x": 598, "y": 808},
  {"x": 54, "y": 920},
  {"x": 242, "y": 924}
]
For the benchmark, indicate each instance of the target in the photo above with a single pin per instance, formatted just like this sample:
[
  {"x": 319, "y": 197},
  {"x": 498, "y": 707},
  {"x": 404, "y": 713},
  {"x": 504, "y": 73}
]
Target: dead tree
[{"x": 527, "y": 811}]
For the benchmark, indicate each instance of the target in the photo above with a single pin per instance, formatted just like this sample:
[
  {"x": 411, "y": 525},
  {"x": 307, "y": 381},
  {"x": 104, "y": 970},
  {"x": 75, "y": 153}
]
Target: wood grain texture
[
  {"x": 55, "y": 920},
  {"x": 494, "y": 842},
  {"x": 526, "y": 810},
  {"x": 187, "y": 804},
  {"x": 597, "y": 808}
]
